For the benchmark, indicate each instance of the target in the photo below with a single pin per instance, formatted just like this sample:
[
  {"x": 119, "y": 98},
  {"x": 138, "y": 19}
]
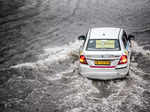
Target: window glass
[
  {"x": 124, "y": 41},
  {"x": 125, "y": 35},
  {"x": 103, "y": 45}
]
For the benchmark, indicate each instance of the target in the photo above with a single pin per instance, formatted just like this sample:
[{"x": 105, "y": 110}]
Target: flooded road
[{"x": 39, "y": 56}]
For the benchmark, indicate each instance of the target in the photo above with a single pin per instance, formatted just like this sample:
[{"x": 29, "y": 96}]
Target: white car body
[{"x": 105, "y": 72}]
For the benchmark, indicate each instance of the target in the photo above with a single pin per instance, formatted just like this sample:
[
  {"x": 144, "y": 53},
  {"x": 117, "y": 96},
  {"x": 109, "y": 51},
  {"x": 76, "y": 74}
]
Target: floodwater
[{"x": 39, "y": 56}]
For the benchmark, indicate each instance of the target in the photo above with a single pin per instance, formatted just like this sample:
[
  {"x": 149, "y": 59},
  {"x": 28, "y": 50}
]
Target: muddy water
[{"x": 39, "y": 56}]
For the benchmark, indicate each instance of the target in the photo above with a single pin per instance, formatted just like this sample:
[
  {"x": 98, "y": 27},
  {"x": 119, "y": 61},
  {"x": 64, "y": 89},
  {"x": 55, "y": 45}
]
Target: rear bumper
[{"x": 103, "y": 73}]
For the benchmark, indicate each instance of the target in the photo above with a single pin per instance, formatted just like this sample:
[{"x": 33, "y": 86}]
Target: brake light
[
  {"x": 123, "y": 60},
  {"x": 83, "y": 59}
]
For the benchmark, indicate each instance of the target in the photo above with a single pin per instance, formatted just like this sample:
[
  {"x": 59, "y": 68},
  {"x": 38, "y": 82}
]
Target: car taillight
[
  {"x": 123, "y": 60},
  {"x": 83, "y": 59}
]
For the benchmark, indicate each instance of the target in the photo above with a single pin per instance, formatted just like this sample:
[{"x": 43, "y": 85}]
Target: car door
[
  {"x": 82, "y": 44},
  {"x": 127, "y": 47}
]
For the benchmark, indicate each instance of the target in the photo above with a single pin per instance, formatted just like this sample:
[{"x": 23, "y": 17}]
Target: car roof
[{"x": 105, "y": 33}]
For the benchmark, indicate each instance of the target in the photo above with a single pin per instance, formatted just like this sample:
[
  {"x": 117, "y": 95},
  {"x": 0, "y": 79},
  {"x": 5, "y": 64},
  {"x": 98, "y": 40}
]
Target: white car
[{"x": 105, "y": 53}]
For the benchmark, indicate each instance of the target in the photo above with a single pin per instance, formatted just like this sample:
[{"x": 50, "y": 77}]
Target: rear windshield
[{"x": 103, "y": 45}]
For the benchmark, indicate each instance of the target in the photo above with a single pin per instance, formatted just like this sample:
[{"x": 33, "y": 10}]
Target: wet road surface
[{"x": 39, "y": 56}]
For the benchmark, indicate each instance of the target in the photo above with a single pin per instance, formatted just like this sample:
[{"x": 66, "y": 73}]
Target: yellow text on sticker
[
  {"x": 105, "y": 43},
  {"x": 126, "y": 52}
]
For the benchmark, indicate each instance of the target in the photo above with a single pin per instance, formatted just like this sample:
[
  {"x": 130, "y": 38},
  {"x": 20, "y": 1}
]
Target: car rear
[
  {"x": 103, "y": 59},
  {"x": 104, "y": 66}
]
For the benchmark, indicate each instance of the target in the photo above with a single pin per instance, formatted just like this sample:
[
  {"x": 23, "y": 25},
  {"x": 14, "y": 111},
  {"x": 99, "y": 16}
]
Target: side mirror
[
  {"x": 131, "y": 37},
  {"x": 82, "y": 37}
]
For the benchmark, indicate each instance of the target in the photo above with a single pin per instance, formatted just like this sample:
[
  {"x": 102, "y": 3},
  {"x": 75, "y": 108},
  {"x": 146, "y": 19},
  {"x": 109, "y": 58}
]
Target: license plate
[{"x": 98, "y": 62}]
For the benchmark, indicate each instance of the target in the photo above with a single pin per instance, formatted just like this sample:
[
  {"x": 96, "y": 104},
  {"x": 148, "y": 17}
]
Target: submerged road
[{"x": 39, "y": 56}]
